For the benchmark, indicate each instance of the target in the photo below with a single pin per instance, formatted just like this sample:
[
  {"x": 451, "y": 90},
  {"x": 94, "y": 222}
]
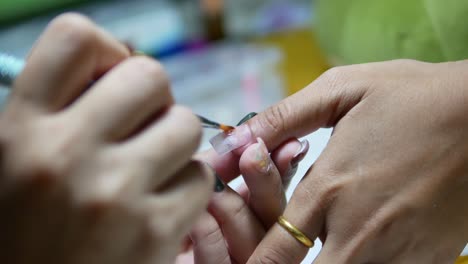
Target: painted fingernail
[
  {"x": 219, "y": 184},
  {"x": 262, "y": 157},
  {"x": 301, "y": 152},
  {"x": 298, "y": 157},
  {"x": 246, "y": 118}
]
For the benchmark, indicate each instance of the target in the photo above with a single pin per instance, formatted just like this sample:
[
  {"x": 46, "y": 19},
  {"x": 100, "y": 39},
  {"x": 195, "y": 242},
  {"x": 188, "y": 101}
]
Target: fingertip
[
  {"x": 284, "y": 154},
  {"x": 226, "y": 166},
  {"x": 247, "y": 158},
  {"x": 255, "y": 160}
]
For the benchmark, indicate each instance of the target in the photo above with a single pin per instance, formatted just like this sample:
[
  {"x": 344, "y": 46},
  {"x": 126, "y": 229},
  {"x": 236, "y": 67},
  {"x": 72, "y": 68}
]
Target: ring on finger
[{"x": 295, "y": 232}]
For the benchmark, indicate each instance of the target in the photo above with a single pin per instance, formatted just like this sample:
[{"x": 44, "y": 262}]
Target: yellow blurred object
[
  {"x": 462, "y": 260},
  {"x": 303, "y": 60}
]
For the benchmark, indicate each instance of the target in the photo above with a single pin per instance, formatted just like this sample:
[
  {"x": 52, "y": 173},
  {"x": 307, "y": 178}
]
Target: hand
[
  {"x": 98, "y": 175},
  {"x": 237, "y": 221},
  {"x": 392, "y": 183}
]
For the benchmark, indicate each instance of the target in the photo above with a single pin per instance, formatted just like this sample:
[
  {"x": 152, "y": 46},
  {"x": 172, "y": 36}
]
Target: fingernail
[
  {"x": 246, "y": 118},
  {"x": 224, "y": 143},
  {"x": 301, "y": 152},
  {"x": 219, "y": 184},
  {"x": 262, "y": 157},
  {"x": 298, "y": 157}
]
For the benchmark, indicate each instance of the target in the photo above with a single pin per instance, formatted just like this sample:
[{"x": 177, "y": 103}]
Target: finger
[
  {"x": 241, "y": 228},
  {"x": 181, "y": 200},
  {"x": 328, "y": 254},
  {"x": 71, "y": 52},
  {"x": 321, "y": 104},
  {"x": 243, "y": 192},
  {"x": 287, "y": 158},
  {"x": 164, "y": 147},
  {"x": 167, "y": 215},
  {"x": 208, "y": 241},
  {"x": 266, "y": 193},
  {"x": 124, "y": 99},
  {"x": 226, "y": 165},
  {"x": 306, "y": 211}
]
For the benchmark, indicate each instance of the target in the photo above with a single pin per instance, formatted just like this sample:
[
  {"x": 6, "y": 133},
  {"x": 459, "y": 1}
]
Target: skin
[
  {"x": 391, "y": 185},
  {"x": 80, "y": 181},
  {"x": 236, "y": 221}
]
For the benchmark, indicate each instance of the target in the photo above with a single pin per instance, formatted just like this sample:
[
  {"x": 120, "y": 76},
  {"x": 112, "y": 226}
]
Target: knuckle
[
  {"x": 152, "y": 72},
  {"x": 77, "y": 31},
  {"x": 335, "y": 77},
  {"x": 162, "y": 229},
  {"x": 97, "y": 197},
  {"x": 100, "y": 193},
  {"x": 151, "y": 69},
  {"x": 237, "y": 209},
  {"x": 319, "y": 191},
  {"x": 97, "y": 201},
  {"x": 192, "y": 137},
  {"x": 96, "y": 206},
  {"x": 40, "y": 171},
  {"x": 209, "y": 233},
  {"x": 275, "y": 118}
]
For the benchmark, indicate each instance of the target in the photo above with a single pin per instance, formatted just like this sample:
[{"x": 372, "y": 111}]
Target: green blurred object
[
  {"x": 11, "y": 10},
  {"x": 358, "y": 31}
]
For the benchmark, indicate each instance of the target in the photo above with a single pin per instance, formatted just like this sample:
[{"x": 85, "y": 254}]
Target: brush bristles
[{"x": 226, "y": 128}]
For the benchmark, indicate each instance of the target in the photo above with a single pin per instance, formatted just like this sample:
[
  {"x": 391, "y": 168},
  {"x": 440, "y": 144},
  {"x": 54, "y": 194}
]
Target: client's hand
[
  {"x": 236, "y": 222},
  {"x": 98, "y": 175}
]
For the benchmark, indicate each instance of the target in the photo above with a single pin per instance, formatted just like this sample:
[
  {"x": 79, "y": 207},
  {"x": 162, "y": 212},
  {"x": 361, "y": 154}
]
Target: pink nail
[
  {"x": 301, "y": 152},
  {"x": 224, "y": 143}
]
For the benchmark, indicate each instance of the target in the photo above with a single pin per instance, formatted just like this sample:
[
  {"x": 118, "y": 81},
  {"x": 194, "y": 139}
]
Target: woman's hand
[
  {"x": 98, "y": 175},
  {"x": 392, "y": 184},
  {"x": 236, "y": 222}
]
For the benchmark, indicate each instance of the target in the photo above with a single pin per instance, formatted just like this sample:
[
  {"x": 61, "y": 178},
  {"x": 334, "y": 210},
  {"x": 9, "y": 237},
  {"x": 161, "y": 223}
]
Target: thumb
[{"x": 321, "y": 104}]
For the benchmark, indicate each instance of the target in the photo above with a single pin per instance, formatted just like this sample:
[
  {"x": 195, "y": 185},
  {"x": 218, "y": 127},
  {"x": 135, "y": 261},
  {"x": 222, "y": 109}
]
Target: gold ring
[{"x": 295, "y": 232}]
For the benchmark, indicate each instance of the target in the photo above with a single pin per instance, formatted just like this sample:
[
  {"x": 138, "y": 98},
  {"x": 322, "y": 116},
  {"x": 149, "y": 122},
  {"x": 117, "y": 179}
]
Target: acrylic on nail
[{"x": 226, "y": 142}]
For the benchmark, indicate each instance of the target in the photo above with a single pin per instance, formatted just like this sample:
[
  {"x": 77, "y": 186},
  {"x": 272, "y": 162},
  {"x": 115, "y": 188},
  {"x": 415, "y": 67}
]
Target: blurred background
[{"x": 227, "y": 58}]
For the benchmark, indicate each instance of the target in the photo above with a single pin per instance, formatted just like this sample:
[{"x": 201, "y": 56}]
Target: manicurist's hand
[
  {"x": 100, "y": 174},
  {"x": 392, "y": 184}
]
